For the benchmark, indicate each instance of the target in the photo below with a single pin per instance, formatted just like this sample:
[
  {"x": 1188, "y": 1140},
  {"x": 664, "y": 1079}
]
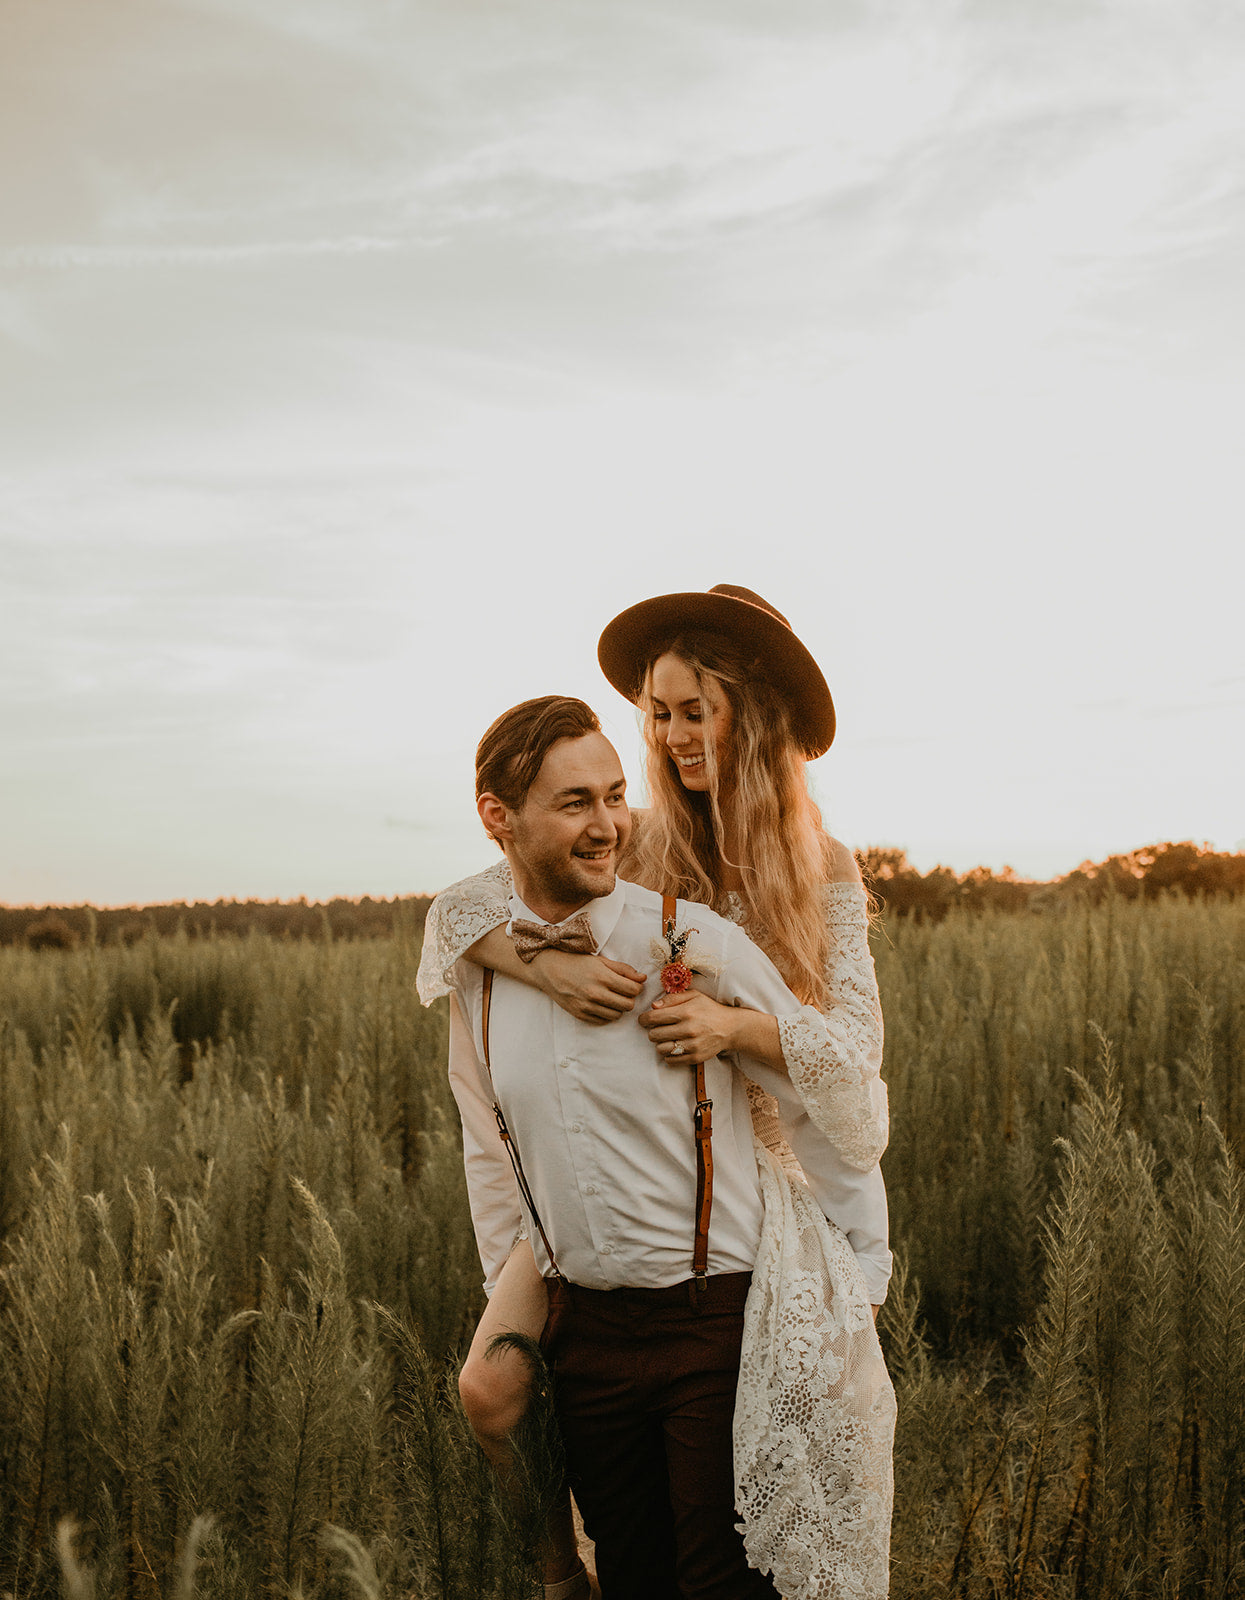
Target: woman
[{"x": 732, "y": 706}]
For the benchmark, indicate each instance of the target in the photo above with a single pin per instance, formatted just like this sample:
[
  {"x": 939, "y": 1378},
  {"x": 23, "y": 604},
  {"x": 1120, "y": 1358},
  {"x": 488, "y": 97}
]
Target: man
[{"x": 646, "y": 1314}]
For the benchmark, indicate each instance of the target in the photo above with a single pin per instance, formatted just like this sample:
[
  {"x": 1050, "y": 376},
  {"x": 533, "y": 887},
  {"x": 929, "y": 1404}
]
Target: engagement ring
[{"x": 676, "y": 1049}]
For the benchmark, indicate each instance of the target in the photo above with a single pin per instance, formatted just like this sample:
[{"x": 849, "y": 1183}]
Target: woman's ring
[{"x": 677, "y": 1049}]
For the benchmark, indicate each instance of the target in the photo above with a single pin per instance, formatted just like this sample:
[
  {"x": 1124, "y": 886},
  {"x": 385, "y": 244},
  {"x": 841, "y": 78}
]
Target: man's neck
[{"x": 538, "y": 900}]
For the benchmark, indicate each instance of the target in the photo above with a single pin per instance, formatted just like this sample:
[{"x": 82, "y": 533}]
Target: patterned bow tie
[{"x": 530, "y": 938}]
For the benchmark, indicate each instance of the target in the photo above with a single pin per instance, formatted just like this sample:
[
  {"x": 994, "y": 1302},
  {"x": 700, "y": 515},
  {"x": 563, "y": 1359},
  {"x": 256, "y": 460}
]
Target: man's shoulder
[
  {"x": 635, "y": 895},
  {"x": 648, "y": 903}
]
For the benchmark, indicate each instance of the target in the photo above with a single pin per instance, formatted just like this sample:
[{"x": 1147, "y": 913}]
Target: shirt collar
[{"x": 603, "y": 914}]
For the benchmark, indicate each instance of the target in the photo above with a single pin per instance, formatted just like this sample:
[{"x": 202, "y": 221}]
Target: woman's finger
[
  {"x": 672, "y": 1002},
  {"x": 687, "y": 1057},
  {"x": 666, "y": 1009},
  {"x": 633, "y": 980},
  {"x": 600, "y": 995}
]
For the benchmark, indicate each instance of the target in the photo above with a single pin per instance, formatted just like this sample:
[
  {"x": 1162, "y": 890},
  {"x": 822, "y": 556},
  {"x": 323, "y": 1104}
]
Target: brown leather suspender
[{"x": 702, "y": 1123}]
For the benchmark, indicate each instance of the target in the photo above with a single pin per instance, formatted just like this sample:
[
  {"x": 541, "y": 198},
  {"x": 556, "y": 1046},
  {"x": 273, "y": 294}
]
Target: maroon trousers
[{"x": 645, "y": 1395}]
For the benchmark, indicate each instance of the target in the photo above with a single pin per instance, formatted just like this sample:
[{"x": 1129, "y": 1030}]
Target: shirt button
[
  {"x": 564, "y": 1063},
  {"x": 574, "y": 1127},
  {"x": 591, "y": 1189},
  {"x": 607, "y": 1249}
]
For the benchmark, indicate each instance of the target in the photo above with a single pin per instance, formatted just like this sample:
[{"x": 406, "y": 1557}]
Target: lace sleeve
[
  {"x": 835, "y": 1059},
  {"x": 458, "y": 917}
]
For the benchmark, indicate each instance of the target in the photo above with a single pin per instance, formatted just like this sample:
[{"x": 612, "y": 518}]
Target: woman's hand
[
  {"x": 702, "y": 1026},
  {"x": 706, "y": 1028},
  {"x": 590, "y": 988}
]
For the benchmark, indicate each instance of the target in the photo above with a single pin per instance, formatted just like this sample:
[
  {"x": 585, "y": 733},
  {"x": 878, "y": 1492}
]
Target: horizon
[{"x": 1006, "y": 871}]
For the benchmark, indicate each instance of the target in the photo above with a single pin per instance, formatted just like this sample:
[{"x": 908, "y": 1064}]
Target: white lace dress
[{"x": 814, "y": 1410}]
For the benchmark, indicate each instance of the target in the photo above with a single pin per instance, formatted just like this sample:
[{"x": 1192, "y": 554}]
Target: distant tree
[{"x": 51, "y": 932}]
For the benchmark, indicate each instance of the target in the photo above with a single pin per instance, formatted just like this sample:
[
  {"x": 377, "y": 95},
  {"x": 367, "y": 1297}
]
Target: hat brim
[{"x": 635, "y": 637}]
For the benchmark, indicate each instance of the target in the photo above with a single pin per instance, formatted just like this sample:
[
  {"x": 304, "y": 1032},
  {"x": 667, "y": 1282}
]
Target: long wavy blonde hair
[{"x": 680, "y": 848}]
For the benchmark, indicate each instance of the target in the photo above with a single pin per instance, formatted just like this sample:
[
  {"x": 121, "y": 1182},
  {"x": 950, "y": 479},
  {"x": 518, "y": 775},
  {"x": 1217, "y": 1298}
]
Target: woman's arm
[
  {"x": 457, "y": 918},
  {"x": 705, "y": 1028},
  {"x": 467, "y": 922},
  {"x": 592, "y": 988},
  {"x": 833, "y": 1058}
]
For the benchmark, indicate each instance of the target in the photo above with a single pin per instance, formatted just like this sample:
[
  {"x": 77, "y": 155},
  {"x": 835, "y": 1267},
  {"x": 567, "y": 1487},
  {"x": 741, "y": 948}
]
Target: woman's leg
[{"x": 495, "y": 1388}]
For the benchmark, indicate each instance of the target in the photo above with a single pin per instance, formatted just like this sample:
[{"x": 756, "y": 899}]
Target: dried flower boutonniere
[{"x": 681, "y": 959}]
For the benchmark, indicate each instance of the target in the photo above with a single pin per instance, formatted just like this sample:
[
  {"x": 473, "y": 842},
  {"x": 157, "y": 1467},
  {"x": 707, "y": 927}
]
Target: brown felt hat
[{"x": 636, "y": 636}]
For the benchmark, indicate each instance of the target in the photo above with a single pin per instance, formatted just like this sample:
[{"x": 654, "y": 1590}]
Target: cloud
[{"x": 63, "y": 257}]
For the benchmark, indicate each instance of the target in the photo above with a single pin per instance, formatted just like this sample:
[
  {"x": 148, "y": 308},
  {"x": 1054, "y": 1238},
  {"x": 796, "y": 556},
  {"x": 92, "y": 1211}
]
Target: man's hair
[{"x": 512, "y": 752}]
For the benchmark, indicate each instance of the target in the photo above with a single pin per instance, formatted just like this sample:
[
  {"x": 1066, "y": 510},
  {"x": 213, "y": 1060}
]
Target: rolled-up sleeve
[{"x": 495, "y": 1212}]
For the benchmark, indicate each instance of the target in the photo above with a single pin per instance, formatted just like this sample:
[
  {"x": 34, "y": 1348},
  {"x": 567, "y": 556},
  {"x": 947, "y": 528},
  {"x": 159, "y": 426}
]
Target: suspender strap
[
  {"x": 703, "y": 1123},
  {"x": 512, "y": 1149},
  {"x": 704, "y": 1176}
]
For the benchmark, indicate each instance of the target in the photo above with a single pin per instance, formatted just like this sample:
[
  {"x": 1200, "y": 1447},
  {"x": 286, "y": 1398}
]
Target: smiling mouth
[
  {"x": 594, "y": 855},
  {"x": 687, "y": 762}
]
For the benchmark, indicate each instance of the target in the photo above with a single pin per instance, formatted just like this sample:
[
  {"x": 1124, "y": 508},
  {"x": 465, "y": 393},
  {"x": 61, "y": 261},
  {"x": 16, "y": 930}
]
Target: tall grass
[
  {"x": 228, "y": 1173},
  {"x": 238, "y": 1268},
  {"x": 988, "y": 1019}
]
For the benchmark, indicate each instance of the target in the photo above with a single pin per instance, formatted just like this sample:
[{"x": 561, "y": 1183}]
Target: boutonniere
[{"x": 681, "y": 959}]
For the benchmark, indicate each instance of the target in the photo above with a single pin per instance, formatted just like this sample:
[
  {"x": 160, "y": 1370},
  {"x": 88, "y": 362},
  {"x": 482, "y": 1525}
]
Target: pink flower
[{"x": 675, "y": 977}]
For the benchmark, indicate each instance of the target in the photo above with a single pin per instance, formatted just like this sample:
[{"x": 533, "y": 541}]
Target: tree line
[
  {"x": 895, "y": 884},
  {"x": 1195, "y": 871}
]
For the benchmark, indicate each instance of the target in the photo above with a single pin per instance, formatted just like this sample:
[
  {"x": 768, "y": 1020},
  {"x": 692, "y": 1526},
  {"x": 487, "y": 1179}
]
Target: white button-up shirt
[{"x": 604, "y": 1126}]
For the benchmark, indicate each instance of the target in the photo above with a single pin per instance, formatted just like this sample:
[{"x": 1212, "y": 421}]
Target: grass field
[{"x": 238, "y": 1266}]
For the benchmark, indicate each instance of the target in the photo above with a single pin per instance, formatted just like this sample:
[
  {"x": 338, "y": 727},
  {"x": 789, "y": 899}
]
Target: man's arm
[{"x": 495, "y": 1212}]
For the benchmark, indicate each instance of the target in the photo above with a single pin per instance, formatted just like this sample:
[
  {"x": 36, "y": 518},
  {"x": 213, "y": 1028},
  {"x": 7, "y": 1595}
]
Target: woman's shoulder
[
  {"x": 844, "y": 895},
  {"x": 841, "y": 864},
  {"x": 489, "y": 884}
]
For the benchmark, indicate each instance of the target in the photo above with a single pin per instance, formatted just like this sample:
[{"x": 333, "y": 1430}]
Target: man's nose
[{"x": 602, "y": 824}]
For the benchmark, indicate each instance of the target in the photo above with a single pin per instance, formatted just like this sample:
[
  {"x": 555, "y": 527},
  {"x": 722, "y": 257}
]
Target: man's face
[{"x": 565, "y": 839}]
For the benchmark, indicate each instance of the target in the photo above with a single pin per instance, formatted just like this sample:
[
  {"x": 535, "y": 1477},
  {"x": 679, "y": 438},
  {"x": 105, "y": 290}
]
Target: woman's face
[{"x": 681, "y": 710}]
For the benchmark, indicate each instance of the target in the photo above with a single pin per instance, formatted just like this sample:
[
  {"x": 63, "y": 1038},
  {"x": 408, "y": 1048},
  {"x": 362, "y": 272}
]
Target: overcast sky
[{"x": 361, "y": 358}]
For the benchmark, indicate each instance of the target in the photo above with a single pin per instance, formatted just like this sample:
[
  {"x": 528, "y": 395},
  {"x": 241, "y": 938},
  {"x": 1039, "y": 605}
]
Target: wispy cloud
[{"x": 67, "y": 256}]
